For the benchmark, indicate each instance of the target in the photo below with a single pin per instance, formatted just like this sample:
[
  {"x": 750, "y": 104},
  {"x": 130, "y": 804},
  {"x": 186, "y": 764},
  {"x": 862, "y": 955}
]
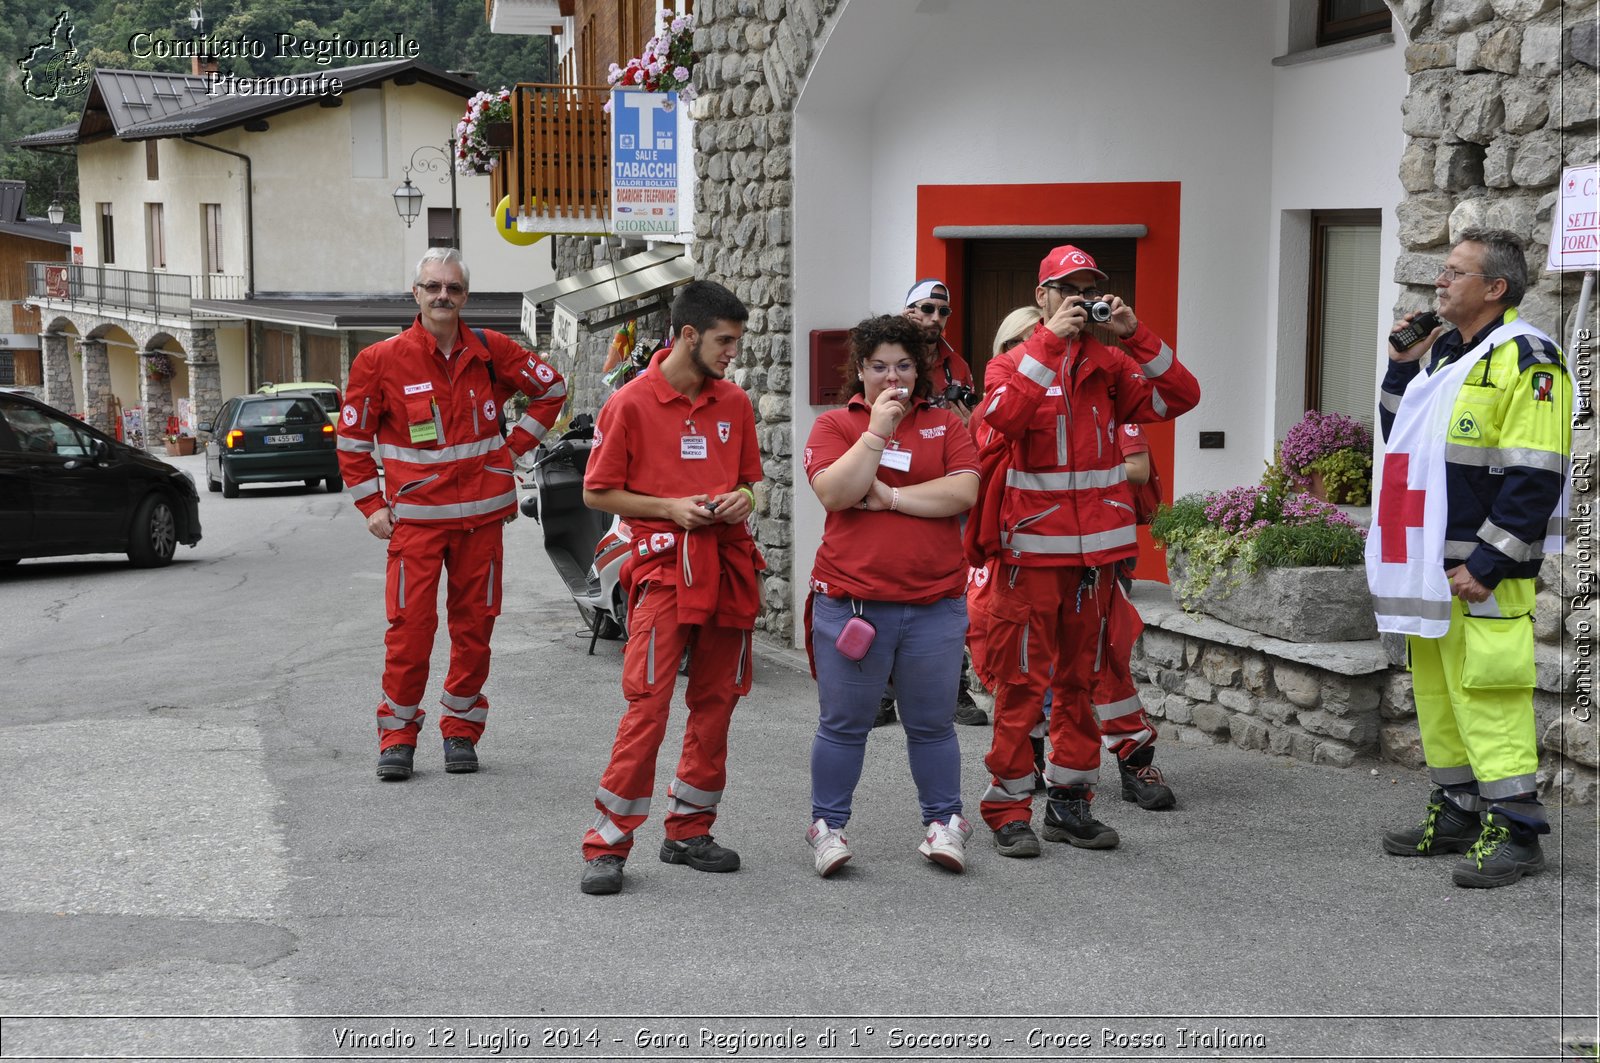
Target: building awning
[{"x": 589, "y": 296}]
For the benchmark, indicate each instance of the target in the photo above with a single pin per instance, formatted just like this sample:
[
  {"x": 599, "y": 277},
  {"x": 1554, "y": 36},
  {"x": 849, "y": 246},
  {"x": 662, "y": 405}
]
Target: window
[
  {"x": 108, "y": 241},
  {"x": 152, "y": 161},
  {"x": 441, "y": 232},
  {"x": 1342, "y": 329},
  {"x": 155, "y": 236},
  {"x": 1343, "y": 20},
  {"x": 39, "y": 433},
  {"x": 211, "y": 220}
]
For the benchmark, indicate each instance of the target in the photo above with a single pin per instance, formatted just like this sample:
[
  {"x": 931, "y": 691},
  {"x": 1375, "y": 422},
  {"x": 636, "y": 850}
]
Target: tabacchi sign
[{"x": 1575, "y": 236}]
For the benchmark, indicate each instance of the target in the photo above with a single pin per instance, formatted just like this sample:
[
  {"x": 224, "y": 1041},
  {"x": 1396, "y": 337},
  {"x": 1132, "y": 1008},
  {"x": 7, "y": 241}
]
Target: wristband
[
  {"x": 894, "y": 499},
  {"x": 878, "y": 449},
  {"x": 751, "y": 495}
]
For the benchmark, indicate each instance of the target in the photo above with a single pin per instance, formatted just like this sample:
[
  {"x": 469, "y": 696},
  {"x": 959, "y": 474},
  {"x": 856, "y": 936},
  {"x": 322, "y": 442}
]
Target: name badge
[
  {"x": 898, "y": 460},
  {"x": 692, "y": 448},
  {"x": 418, "y": 389},
  {"x": 1054, "y": 389},
  {"x": 426, "y": 432}
]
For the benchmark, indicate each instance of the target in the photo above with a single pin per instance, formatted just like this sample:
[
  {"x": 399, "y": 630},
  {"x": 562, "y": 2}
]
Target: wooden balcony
[{"x": 558, "y": 171}]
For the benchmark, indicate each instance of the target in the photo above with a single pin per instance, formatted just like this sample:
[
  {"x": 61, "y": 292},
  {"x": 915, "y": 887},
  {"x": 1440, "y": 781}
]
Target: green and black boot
[{"x": 1446, "y": 828}]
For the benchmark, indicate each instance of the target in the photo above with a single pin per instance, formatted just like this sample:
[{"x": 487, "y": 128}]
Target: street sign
[
  {"x": 1575, "y": 234},
  {"x": 648, "y": 150},
  {"x": 563, "y": 329}
]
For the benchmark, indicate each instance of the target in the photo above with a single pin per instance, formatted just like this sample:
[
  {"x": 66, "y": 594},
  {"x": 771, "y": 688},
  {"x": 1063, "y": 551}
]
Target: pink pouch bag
[{"x": 855, "y": 640}]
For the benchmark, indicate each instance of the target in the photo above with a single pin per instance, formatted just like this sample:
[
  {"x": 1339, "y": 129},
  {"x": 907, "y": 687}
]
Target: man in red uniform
[
  {"x": 427, "y": 401},
  {"x": 1065, "y": 517},
  {"x": 675, "y": 452}
]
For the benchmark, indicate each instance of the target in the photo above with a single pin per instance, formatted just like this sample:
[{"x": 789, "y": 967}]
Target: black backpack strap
[{"x": 483, "y": 339}]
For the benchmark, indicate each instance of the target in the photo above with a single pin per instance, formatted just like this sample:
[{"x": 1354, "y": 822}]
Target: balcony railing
[
  {"x": 104, "y": 290},
  {"x": 559, "y": 169}
]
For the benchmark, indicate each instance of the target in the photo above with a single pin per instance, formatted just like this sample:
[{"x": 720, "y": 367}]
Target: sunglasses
[
  {"x": 932, "y": 308},
  {"x": 434, "y": 287}
]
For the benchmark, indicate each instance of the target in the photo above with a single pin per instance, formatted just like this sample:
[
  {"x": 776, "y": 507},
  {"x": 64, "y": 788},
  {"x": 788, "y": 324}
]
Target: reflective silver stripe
[
  {"x": 364, "y": 404},
  {"x": 1037, "y": 371},
  {"x": 558, "y": 390},
  {"x": 994, "y": 400},
  {"x": 1504, "y": 458},
  {"x": 1073, "y": 544},
  {"x": 363, "y": 489},
  {"x": 1040, "y": 729},
  {"x": 1463, "y": 800},
  {"x": 1118, "y": 708},
  {"x": 650, "y": 659},
  {"x": 609, "y": 832},
  {"x": 694, "y": 795},
  {"x": 402, "y": 712},
  {"x": 1010, "y": 789},
  {"x": 458, "y": 702},
  {"x": 1453, "y": 777},
  {"x": 1517, "y": 784},
  {"x": 744, "y": 660},
  {"x": 1159, "y": 364},
  {"x": 391, "y": 723},
  {"x": 400, "y": 585},
  {"x": 1140, "y": 739},
  {"x": 1459, "y": 549},
  {"x": 414, "y": 484},
  {"x": 1504, "y": 541},
  {"x": 1061, "y": 439},
  {"x": 455, "y": 510},
  {"x": 357, "y": 446},
  {"x": 476, "y": 449},
  {"x": 488, "y": 597},
  {"x": 1389, "y": 401},
  {"x": 1056, "y": 775},
  {"x": 1157, "y": 403},
  {"x": 531, "y": 426},
  {"x": 1419, "y": 607},
  {"x": 478, "y": 715},
  {"x": 623, "y": 806}
]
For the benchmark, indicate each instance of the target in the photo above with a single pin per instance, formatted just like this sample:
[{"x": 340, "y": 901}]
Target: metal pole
[
  {"x": 1585, "y": 296},
  {"x": 455, "y": 216}
]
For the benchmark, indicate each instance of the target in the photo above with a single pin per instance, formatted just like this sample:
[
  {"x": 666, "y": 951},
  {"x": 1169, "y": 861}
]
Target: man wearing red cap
[{"x": 1065, "y": 519}]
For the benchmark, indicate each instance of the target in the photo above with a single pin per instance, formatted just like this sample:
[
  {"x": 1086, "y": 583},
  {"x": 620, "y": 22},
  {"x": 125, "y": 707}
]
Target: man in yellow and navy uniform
[{"x": 1507, "y": 451}]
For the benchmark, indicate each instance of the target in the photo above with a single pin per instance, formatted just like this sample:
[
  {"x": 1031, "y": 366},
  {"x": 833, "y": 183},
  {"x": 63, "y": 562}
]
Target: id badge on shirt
[
  {"x": 692, "y": 448},
  {"x": 896, "y": 459},
  {"x": 422, "y": 419}
]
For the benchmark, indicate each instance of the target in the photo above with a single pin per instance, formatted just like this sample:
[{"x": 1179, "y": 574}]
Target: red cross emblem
[{"x": 1399, "y": 508}]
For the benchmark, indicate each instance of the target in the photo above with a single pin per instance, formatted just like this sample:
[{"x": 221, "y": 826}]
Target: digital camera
[
  {"x": 959, "y": 393},
  {"x": 1098, "y": 310}
]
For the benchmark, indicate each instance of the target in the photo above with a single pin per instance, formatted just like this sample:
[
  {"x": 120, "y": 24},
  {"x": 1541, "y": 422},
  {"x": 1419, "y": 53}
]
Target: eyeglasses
[
  {"x": 1450, "y": 275},
  {"x": 434, "y": 287},
  {"x": 902, "y": 368},
  {"x": 932, "y": 308},
  {"x": 1071, "y": 290}
]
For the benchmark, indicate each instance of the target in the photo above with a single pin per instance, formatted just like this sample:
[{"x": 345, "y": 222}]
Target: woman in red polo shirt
[{"x": 888, "y": 585}]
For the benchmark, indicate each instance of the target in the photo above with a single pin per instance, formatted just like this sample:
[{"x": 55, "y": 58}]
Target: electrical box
[{"x": 830, "y": 349}]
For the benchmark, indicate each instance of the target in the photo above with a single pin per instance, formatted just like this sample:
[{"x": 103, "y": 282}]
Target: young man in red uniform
[
  {"x": 675, "y": 452},
  {"x": 428, "y": 401},
  {"x": 1065, "y": 518}
]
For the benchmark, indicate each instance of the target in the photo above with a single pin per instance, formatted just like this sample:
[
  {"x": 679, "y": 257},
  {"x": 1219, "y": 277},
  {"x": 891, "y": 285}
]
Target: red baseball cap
[{"x": 1064, "y": 260}]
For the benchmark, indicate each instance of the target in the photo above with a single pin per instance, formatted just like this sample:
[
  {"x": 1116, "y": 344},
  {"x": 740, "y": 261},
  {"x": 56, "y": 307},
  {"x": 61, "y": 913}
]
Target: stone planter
[
  {"x": 180, "y": 447},
  {"x": 1328, "y": 604}
]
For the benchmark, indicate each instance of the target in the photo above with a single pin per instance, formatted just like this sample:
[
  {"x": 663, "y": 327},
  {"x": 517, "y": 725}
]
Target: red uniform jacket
[
  {"x": 435, "y": 424},
  {"x": 1066, "y": 499}
]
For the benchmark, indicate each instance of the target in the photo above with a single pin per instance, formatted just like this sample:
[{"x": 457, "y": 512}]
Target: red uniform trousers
[
  {"x": 472, "y": 558},
  {"x": 1043, "y": 634},
  {"x": 1124, "y": 727},
  {"x": 719, "y": 673}
]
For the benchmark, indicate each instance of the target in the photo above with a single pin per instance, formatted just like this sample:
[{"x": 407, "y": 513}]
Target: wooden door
[
  {"x": 322, "y": 357},
  {"x": 1002, "y": 275}
]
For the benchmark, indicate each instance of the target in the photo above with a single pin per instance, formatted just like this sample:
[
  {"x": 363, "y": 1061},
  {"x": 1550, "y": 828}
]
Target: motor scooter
[{"x": 586, "y": 546}]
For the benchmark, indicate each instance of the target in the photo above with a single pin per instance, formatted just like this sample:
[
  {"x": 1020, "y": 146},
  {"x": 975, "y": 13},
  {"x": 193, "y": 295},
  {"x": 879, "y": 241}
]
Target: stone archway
[
  {"x": 56, "y": 342},
  {"x": 162, "y": 362}
]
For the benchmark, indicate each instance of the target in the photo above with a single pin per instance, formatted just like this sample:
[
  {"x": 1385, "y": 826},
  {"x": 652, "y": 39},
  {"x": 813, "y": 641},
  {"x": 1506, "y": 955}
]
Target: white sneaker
[
  {"x": 946, "y": 843},
  {"x": 830, "y": 848}
]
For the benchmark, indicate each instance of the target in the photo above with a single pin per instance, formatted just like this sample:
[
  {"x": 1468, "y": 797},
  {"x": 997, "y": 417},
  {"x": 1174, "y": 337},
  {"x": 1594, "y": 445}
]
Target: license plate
[{"x": 292, "y": 437}]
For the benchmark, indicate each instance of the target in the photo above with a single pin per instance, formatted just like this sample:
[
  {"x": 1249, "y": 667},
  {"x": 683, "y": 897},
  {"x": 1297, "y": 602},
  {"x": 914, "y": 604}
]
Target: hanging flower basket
[
  {"x": 476, "y": 153},
  {"x": 157, "y": 367},
  {"x": 497, "y": 134}
]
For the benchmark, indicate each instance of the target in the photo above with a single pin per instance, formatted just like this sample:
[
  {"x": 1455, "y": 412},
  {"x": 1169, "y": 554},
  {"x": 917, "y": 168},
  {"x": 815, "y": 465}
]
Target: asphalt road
[{"x": 196, "y": 861}]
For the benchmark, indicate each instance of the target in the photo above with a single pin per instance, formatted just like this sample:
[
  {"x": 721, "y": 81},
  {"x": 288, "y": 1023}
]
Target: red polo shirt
[
  {"x": 883, "y": 556},
  {"x": 653, "y": 440}
]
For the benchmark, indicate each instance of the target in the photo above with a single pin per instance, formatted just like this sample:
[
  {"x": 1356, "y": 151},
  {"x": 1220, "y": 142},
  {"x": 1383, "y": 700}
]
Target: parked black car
[
  {"x": 67, "y": 488},
  {"x": 269, "y": 439}
]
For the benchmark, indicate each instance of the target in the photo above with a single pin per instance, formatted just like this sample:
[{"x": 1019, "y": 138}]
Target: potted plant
[
  {"x": 157, "y": 366},
  {"x": 483, "y": 131},
  {"x": 1270, "y": 560},
  {"x": 1330, "y": 455},
  {"x": 667, "y": 64}
]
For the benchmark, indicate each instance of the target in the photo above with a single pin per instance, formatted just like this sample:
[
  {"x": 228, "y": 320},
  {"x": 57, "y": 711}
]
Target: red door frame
[{"x": 1153, "y": 204}]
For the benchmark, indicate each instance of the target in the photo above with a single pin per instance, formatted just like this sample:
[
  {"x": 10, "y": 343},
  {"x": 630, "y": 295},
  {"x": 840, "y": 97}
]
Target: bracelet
[
  {"x": 875, "y": 450},
  {"x": 751, "y": 495},
  {"x": 894, "y": 499}
]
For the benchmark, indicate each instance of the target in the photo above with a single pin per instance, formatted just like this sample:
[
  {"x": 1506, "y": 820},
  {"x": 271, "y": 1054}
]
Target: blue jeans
[{"x": 919, "y": 647}]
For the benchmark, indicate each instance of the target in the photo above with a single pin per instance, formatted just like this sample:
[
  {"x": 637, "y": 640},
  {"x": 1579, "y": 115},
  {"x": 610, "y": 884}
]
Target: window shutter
[{"x": 1350, "y": 321}]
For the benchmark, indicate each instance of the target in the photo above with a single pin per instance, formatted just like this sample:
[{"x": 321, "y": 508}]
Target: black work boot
[
  {"x": 700, "y": 853},
  {"x": 1500, "y": 856},
  {"x": 1142, "y": 781},
  {"x": 967, "y": 712},
  {"x": 1016, "y": 838},
  {"x": 1445, "y": 828},
  {"x": 394, "y": 763},
  {"x": 1067, "y": 819},
  {"x": 460, "y": 755},
  {"x": 602, "y": 875}
]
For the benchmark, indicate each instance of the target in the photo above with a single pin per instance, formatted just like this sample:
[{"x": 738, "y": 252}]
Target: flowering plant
[
  {"x": 1337, "y": 448},
  {"x": 473, "y": 153},
  {"x": 667, "y": 64},
  {"x": 157, "y": 366},
  {"x": 1245, "y": 528}
]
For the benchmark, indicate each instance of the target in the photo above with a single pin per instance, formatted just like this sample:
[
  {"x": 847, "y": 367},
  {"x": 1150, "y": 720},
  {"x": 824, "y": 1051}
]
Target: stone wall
[
  {"x": 755, "y": 56},
  {"x": 582, "y": 366}
]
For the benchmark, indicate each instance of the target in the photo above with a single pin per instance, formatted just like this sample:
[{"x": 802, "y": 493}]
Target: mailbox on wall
[{"x": 830, "y": 348}]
